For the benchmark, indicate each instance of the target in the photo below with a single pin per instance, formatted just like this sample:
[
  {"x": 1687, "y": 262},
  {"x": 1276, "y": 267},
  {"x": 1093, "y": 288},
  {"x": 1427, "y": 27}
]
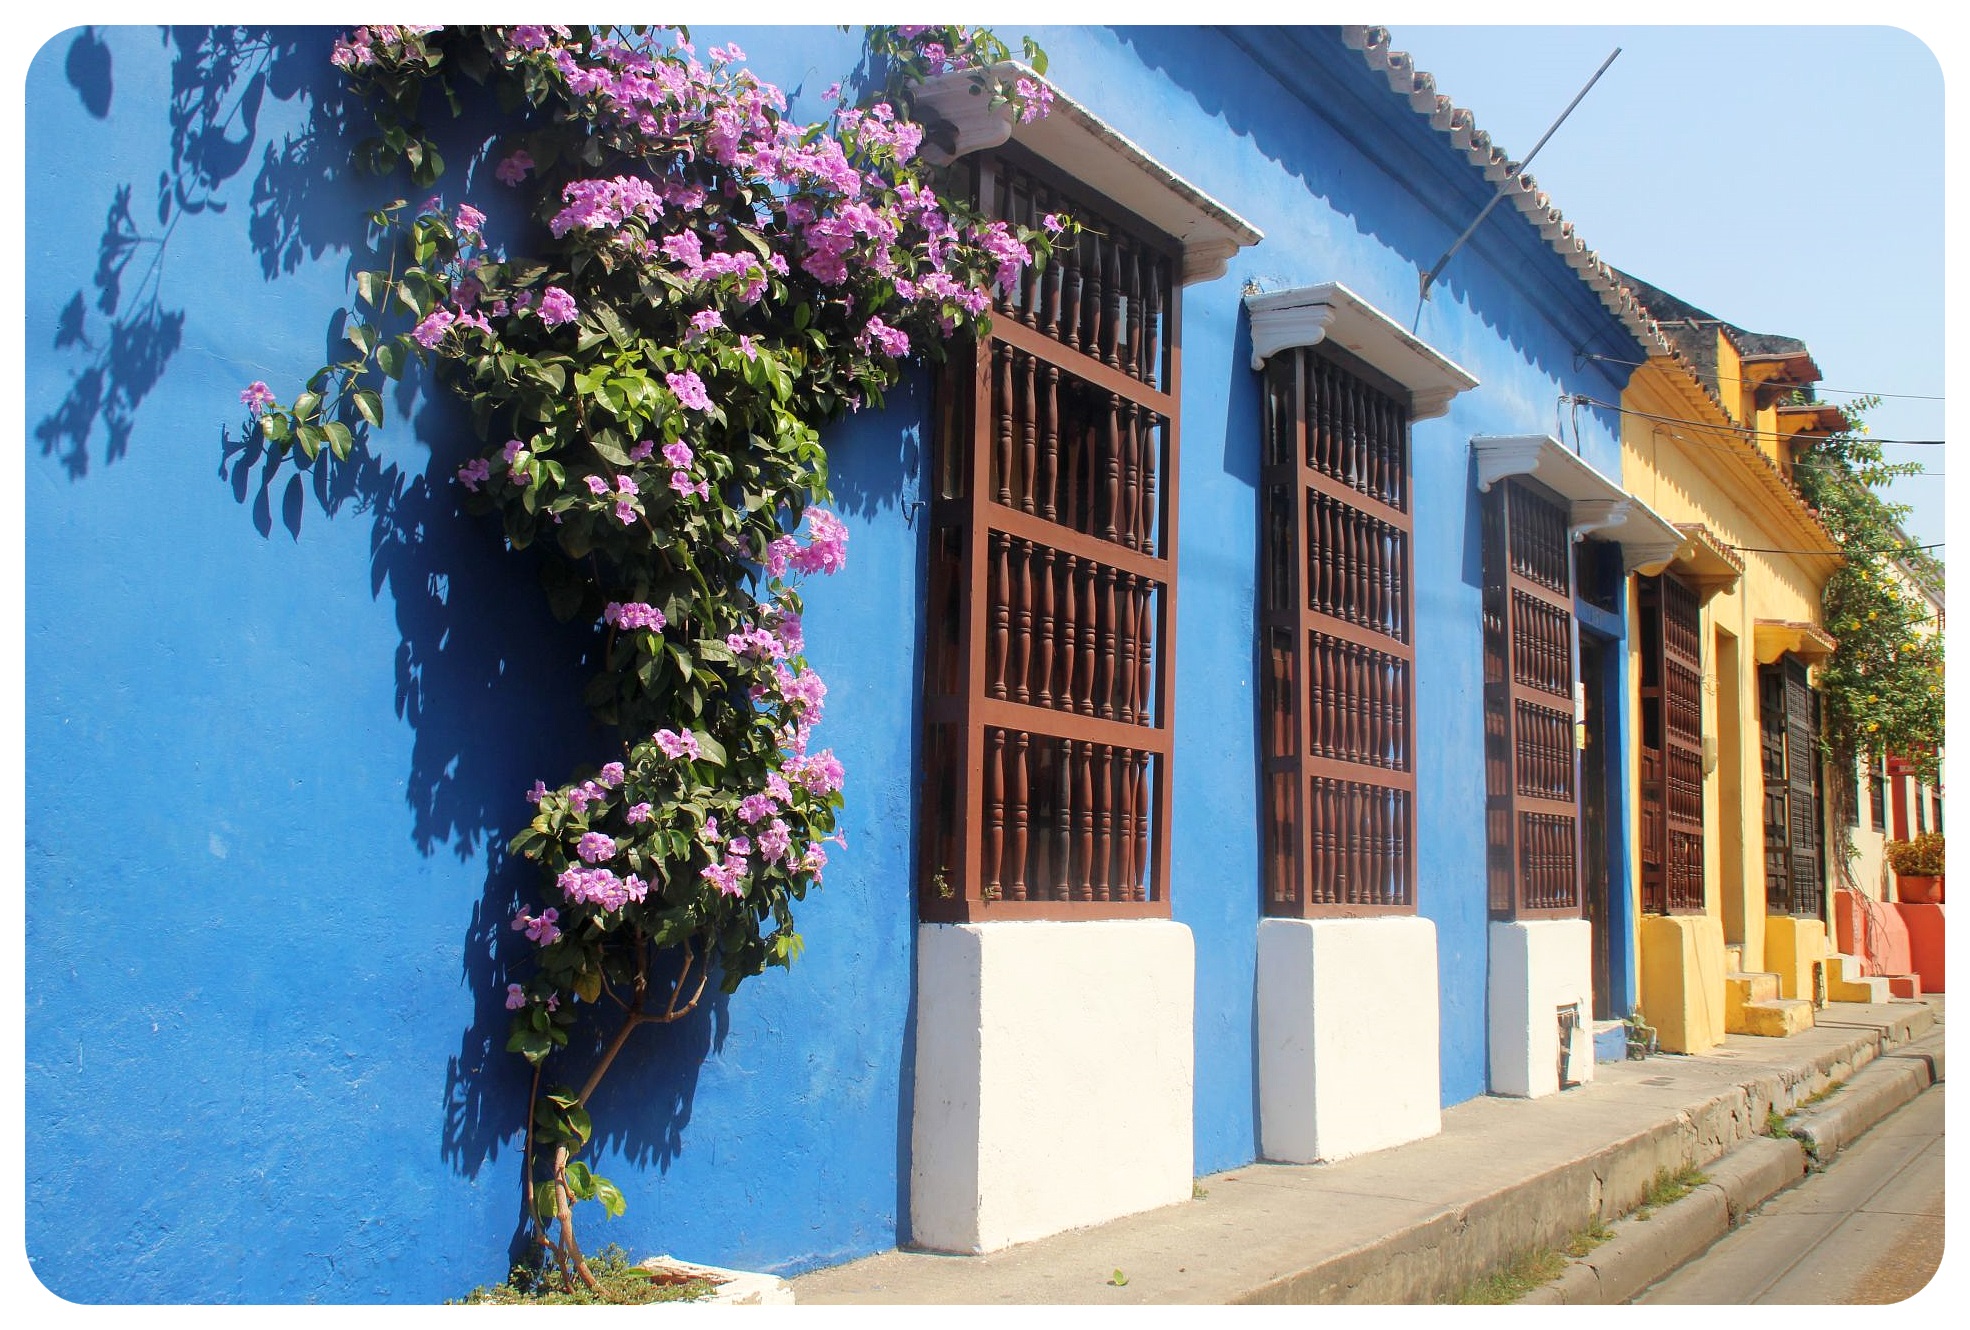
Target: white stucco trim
[
  {"x": 1088, "y": 148},
  {"x": 1053, "y": 1078},
  {"x": 1348, "y": 1035},
  {"x": 1595, "y": 504},
  {"x": 1537, "y": 967},
  {"x": 1308, "y": 315}
]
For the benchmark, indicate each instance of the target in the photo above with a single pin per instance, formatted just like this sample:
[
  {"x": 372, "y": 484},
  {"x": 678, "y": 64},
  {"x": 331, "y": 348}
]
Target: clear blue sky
[{"x": 1787, "y": 179}]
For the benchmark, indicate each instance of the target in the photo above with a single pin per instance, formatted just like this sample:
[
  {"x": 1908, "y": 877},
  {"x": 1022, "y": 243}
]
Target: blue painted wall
[{"x": 277, "y": 734}]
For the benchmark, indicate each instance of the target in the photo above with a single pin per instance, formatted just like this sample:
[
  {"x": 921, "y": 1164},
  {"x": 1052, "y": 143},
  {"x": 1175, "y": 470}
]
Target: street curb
[
  {"x": 1875, "y": 1091},
  {"x": 1644, "y": 1251}
]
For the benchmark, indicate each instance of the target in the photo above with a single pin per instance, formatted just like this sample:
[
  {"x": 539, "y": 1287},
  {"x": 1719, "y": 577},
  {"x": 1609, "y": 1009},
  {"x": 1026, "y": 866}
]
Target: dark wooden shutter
[
  {"x": 1672, "y": 747},
  {"x": 1789, "y": 725},
  {"x": 1336, "y": 608},
  {"x": 1052, "y": 558},
  {"x": 1532, "y": 813}
]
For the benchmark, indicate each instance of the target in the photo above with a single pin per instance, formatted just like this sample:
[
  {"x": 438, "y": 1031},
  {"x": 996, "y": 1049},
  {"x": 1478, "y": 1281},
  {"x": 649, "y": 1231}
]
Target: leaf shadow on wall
[{"x": 120, "y": 326}]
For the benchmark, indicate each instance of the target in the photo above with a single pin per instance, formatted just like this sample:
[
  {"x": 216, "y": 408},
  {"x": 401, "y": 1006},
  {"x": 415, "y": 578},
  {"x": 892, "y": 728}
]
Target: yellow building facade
[{"x": 1726, "y": 788}]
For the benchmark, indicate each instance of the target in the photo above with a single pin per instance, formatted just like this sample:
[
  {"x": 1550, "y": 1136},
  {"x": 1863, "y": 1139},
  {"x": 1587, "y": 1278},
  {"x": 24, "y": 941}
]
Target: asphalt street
[{"x": 1869, "y": 1229}]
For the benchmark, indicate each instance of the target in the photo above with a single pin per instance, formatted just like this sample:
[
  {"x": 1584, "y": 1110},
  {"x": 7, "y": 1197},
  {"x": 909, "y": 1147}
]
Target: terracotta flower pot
[{"x": 1914, "y": 890}]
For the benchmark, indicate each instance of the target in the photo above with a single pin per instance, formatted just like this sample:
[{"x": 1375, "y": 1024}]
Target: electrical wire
[
  {"x": 1733, "y": 378},
  {"x": 1748, "y": 430},
  {"x": 1890, "y": 552}
]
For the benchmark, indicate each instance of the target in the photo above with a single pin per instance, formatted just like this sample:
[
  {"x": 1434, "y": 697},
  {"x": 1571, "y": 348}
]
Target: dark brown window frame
[
  {"x": 1337, "y": 625},
  {"x": 1672, "y": 827},
  {"x": 1532, "y": 764},
  {"x": 1788, "y": 719},
  {"x": 1049, "y": 667}
]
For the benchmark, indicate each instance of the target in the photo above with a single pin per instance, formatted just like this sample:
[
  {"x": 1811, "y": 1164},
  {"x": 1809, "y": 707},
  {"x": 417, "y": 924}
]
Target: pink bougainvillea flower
[
  {"x": 556, "y": 307},
  {"x": 597, "y": 485},
  {"x": 432, "y": 330},
  {"x": 634, "y": 614},
  {"x": 474, "y": 473},
  {"x": 704, "y": 321},
  {"x": 678, "y": 454},
  {"x": 675, "y": 744},
  {"x": 516, "y": 997},
  {"x": 594, "y": 847},
  {"x": 256, "y": 397},
  {"x": 690, "y": 390},
  {"x": 514, "y": 167},
  {"x": 626, "y": 512},
  {"x": 468, "y": 220},
  {"x": 612, "y": 774},
  {"x": 637, "y": 813},
  {"x": 642, "y": 450}
]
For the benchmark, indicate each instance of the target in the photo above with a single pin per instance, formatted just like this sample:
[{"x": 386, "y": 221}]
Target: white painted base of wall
[
  {"x": 1347, "y": 1036},
  {"x": 1053, "y": 1078},
  {"x": 1537, "y": 967}
]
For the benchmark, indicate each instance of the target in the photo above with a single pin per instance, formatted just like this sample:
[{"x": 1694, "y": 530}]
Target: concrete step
[
  {"x": 1778, "y": 1018},
  {"x": 1742, "y": 989},
  {"x": 1904, "y": 985},
  {"x": 1733, "y": 957},
  {"x": 1846, "y": 983}
]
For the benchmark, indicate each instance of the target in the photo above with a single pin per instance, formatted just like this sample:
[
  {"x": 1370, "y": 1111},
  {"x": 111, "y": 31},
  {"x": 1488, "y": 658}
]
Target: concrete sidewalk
[{"x": 1415, "y": 1223}]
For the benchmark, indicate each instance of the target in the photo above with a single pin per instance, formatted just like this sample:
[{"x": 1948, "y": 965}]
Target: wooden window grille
[
  {"x": 1877, "y": 802},
  {"x": 1046, "y": 758},
  {"x": 1532, "y": 812},
  {"x": 1336, "y": 609},
  {"x": 1789, "y": 730},
  {"x": 1672, "y": 747}
]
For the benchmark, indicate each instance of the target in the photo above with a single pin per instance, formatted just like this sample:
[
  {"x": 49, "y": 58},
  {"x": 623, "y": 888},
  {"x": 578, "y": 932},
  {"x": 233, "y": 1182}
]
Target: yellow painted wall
[
  {"x": 1682, "y": 987},
  {"x": 1692, "y": 473},
  {"x": 1792, "y": 948}
]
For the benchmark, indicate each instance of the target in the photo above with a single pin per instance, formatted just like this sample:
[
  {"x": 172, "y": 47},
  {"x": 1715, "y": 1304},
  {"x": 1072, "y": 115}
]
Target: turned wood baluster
[
  {"x": 1020, "y": 743},
  {"x": 1067, "y": 632},
  {"x": 1070, "y": 294},
  {"x": 1125, "y": 435},
  {"x": 1083, "y": 821},
  {"x": 1152, "y": 462},
  {"x": 1152, "y": 363},
  {"x": 1322, "y": 846},
  {"x": 1050, "y": 446},
  {"x": 1044, "y": 630},
  {"x": 1111, "y": 465},
  {"x": 1022, "y": 634},
  {"x": 1111, "y": 305},
  {"x": 1139, "y": 881},
  {"x": 1320, "y": 554},
  {"x": 1104, "y": 685},
  {"x": 1029, "y": 427},
  {"x": 1085, "y": 647},
  {"x": 995, "y": 810},
  {"x": 1060, "y": 836},
  {"x": 1145, "y": 649},
  {"x": 1316, "y": 684},
  {"x": 1050, "y": 295},
  {"x": 1000, "y": 615},
  {"x": 1132, "y": 332},
  {"x": 1002, "y": 453},
  {"x": 1125, "y": 876},
  {"x": 1104, "y": 822},
  {"x": 1029, "y": 282},
  {"x": 1320, "y": 406}
]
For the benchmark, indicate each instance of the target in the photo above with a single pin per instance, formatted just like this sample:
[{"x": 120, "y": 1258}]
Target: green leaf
[
  {"x": 306, "y": 406},
  {"x": 712, "y": 750},
  {"x": 547, "y": 1200},
  {"x": 581, "y": 1183},
  {"x": 611, "y": 1197},
  {"x": 310, "y": 439},
  {"x": 369, "y": 405},
  {"x": 340, "y": 441},
  {"x": 579, "y": 1123},
  {"x": 275, "y": 426},
  {"x": 390, "y": 358}
]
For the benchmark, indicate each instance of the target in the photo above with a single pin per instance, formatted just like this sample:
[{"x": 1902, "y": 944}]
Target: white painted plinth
[
  {"x": 1053, "y": 1078},
  {"x": 1537, "y": 967},
  {"x": 1347, "y": 1036}
]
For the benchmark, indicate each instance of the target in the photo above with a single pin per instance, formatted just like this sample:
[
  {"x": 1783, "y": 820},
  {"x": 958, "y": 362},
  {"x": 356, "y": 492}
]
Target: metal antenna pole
[{"x": 1458, "y": 244}]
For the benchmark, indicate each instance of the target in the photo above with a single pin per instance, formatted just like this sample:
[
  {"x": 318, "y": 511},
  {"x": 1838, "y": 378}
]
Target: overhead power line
[
  {"x": 1818, "y": 388},
  {"x": 1748, "y": 430}
]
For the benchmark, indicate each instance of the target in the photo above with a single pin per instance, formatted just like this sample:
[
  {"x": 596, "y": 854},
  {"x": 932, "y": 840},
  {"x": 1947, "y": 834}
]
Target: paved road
[{"x": 1867, "y": 1230}]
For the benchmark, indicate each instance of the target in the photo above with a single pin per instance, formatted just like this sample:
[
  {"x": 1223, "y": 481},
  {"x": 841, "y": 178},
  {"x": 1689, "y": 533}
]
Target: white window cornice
[
  {"x": 1084, "y": 146},
  {"x": 1329, "y": 312},
  {"x": 1595, "y": 504}
]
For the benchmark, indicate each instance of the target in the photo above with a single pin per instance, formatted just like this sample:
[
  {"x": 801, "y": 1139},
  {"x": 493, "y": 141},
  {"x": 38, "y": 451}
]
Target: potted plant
[{"x": 1918, "y": 866}]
